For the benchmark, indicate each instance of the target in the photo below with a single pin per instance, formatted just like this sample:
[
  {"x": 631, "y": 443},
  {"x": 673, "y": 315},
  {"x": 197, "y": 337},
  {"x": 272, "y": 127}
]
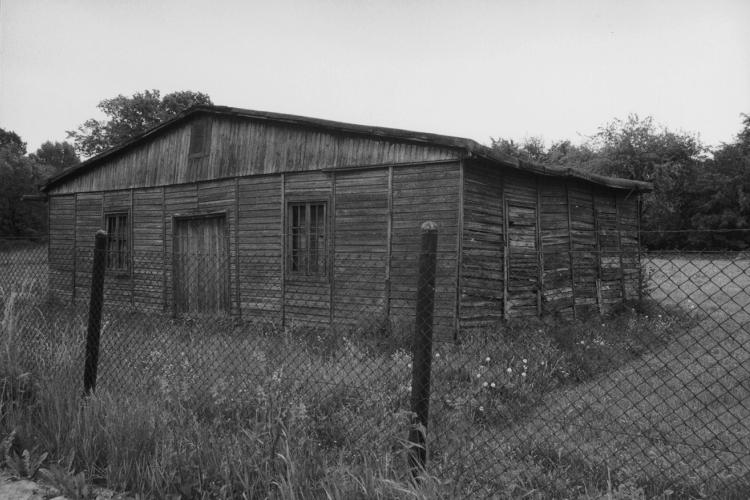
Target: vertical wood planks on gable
[
  {"x": 422, "y": 193},
  {"x": 148, "y": 249},
  {"x": 307, "y": 299},
  {"x": 361, "y": 248},
  {"x": 583, "y": 238},
  {"x": 482, "y": 256},
  {"x": 555, "y": 245},
  {"x": 260, "y": 249},
  {"x": 61, "y": 244},
  {"x": 88, "y": 221}
]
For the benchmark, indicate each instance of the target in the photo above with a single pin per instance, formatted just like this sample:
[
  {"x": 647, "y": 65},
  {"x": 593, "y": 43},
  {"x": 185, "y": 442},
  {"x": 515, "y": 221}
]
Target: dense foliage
[
  {"x": 20, "y": 175},
  {"x": 701, "y": 197},
  {"x": 128, "y": 117}
]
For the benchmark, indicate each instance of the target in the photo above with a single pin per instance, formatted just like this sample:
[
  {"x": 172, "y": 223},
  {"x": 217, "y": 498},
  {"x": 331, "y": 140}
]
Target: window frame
[
  {"x": 308, "y": 273},
  {"x": 123, "y": 253},
  {"x": 205, "y": 142}
]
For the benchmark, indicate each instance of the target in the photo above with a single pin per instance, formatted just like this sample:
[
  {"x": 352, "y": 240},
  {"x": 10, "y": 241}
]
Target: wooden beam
[
  {"x": 389, "y": 251},
  {"x": 506, "y": 249},
  {"x": 570, "y": 251},
  {"x": 283, "y": 252},
  {"x": 619, "y": 247},
  {"x": 165, "y": 306},
  {"x": 459, "y": 251},
  {"x": 131, "y": 246},
  {"x": 331, "y": 257},
  {"x": 539, "y": 254},
  {"x": 237, "y": 245},
  {"x": 75, "y": 246}
]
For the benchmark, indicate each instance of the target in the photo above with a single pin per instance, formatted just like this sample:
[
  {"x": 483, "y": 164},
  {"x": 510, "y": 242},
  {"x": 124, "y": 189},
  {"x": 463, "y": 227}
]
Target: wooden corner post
[
  {"x": 422, "y": 348},
  {"x": 96, "y": 301}
]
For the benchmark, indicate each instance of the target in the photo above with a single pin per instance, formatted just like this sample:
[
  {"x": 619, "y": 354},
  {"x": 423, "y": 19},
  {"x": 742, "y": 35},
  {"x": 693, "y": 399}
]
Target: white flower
[
  {"x": 409, "y": 365},
  {"x": 484, "y": 384},
  {"x": 479, "y": 375},
  {"x": 524, "y": 360},
  {"x": 437, "y": 354},
  {"x": 509, "y": 370},
  {"x": 481, "y": 408},
  {"x": 487, "y": 359},
  {"x": 492, "y": 385},
  {"x": 523, "y": 374}
]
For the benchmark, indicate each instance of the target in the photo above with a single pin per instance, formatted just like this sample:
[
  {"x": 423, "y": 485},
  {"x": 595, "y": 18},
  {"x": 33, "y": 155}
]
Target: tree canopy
[
  {"x": 59, "y": 155},
  {"x": 128, "y": 117},
  {"x": 694, "y": 193}
]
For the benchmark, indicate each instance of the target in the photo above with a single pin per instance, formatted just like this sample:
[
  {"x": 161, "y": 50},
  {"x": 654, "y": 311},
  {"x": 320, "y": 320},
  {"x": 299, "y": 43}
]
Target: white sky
[{"x": 477, "y": 69}]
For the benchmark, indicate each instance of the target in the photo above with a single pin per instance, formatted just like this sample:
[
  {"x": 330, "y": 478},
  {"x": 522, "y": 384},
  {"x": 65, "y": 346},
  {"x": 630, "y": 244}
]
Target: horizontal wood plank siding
[
  {"x": 148, "y": 244},
  {"x": 61, "y": 244},
  {"x": 520, "y": 196},
  {"x": 556, "y": 256},
  {"x": 418, "y": 198},
  {"x": 241, "y": 147},
  {"x": 583, "y": 235},
  {"x": 482, "y": 260},
  {"x": 308, "y": 298},
  {"x": 259, "y": 223},
  {"x": 361, "y": 213}
]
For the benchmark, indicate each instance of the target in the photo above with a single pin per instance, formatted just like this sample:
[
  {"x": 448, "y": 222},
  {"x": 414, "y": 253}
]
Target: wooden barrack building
[{"x": 305, "y": 220}]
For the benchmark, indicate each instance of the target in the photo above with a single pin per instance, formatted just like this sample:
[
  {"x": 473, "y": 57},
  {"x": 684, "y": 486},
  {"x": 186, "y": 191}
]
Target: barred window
[
  {"x": 307, "y": 247},
  {"x": 117, "y": 242}
]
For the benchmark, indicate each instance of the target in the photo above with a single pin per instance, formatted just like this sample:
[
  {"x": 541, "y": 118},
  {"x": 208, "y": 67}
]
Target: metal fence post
[
  {"x": 95, "y": 311},
  {"x": 422, "y": 348}
]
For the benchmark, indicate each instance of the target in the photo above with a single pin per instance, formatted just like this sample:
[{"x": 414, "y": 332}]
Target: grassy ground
[{"x": 647, "y": 402}]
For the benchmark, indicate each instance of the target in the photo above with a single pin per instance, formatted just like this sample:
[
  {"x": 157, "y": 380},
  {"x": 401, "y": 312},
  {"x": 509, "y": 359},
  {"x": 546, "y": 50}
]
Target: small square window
[
  {"x": 307, "y": 233},
  {"x": 117, "y": 242}
]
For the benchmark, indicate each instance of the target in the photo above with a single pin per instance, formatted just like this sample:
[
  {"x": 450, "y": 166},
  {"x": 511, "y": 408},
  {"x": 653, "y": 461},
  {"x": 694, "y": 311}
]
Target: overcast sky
[{"x": 478, "y": 69}]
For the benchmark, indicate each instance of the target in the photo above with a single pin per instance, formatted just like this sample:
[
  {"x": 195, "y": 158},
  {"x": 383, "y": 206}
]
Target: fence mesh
[{"x": 648, "y": 395}]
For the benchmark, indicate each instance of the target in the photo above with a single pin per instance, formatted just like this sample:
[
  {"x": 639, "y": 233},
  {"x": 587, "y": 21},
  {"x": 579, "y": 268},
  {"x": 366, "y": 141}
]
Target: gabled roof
[{"x": 469, "y": 147}]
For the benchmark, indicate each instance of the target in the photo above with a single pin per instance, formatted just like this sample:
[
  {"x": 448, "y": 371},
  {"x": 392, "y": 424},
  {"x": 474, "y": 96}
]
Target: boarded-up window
[
  {"x": 307, "y": 246},
  {"x": 200, "y": 138},
  {"x": 117, "y": 242}
]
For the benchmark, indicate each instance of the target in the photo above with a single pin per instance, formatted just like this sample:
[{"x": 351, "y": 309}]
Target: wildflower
[
  {"x": 583, "y": 342},
  {"x": 484, "y": 384},
  {"x": 509, "y": 370},
  {"x": 525, "y": 360},
  {"x": 523, "y": 374},
  {"x": 492, "y": 385},
  {"x": 437, "y": 355},
  {"x": 481, "y": 408},
  {"x": 479, "y": 375},
  {"x": 487, "y": 359},
  {"x": 409, "y": 365}
]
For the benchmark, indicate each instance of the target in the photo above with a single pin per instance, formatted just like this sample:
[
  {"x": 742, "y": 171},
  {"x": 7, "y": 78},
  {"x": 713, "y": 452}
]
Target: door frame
[{"x": 197, "y": 216}]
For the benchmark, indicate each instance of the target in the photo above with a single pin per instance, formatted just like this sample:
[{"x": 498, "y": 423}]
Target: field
[{"x": 649, "y": 402}]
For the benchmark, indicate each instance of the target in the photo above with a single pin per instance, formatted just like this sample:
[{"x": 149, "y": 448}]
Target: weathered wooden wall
[
  {"x": 542, "y": 245},
  {"x": 62, "y": 245},
  {"x": 241, "y": 147},
  {"x": 482, "y": 264}
]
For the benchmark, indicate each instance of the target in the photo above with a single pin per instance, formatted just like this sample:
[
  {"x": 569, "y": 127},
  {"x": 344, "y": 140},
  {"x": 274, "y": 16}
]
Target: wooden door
[
  {"x": 521, "y": 261},
  {"x": 201, "y": 265}
]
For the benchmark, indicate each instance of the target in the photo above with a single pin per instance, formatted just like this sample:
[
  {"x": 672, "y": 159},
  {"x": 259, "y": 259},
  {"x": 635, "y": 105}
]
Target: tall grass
[{"x": 207, "y": 408}]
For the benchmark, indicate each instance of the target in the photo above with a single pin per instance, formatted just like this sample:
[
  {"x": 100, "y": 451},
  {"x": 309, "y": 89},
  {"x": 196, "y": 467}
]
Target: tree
[
  {"x": 131, "y": 116},
  {"x": 59, "y": 155},
  {"x": 19, "y": 175}
]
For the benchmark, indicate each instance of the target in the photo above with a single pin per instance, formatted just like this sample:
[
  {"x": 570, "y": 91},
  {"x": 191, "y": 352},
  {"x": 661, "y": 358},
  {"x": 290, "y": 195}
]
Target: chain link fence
[{"x": 644, "y": 397}]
